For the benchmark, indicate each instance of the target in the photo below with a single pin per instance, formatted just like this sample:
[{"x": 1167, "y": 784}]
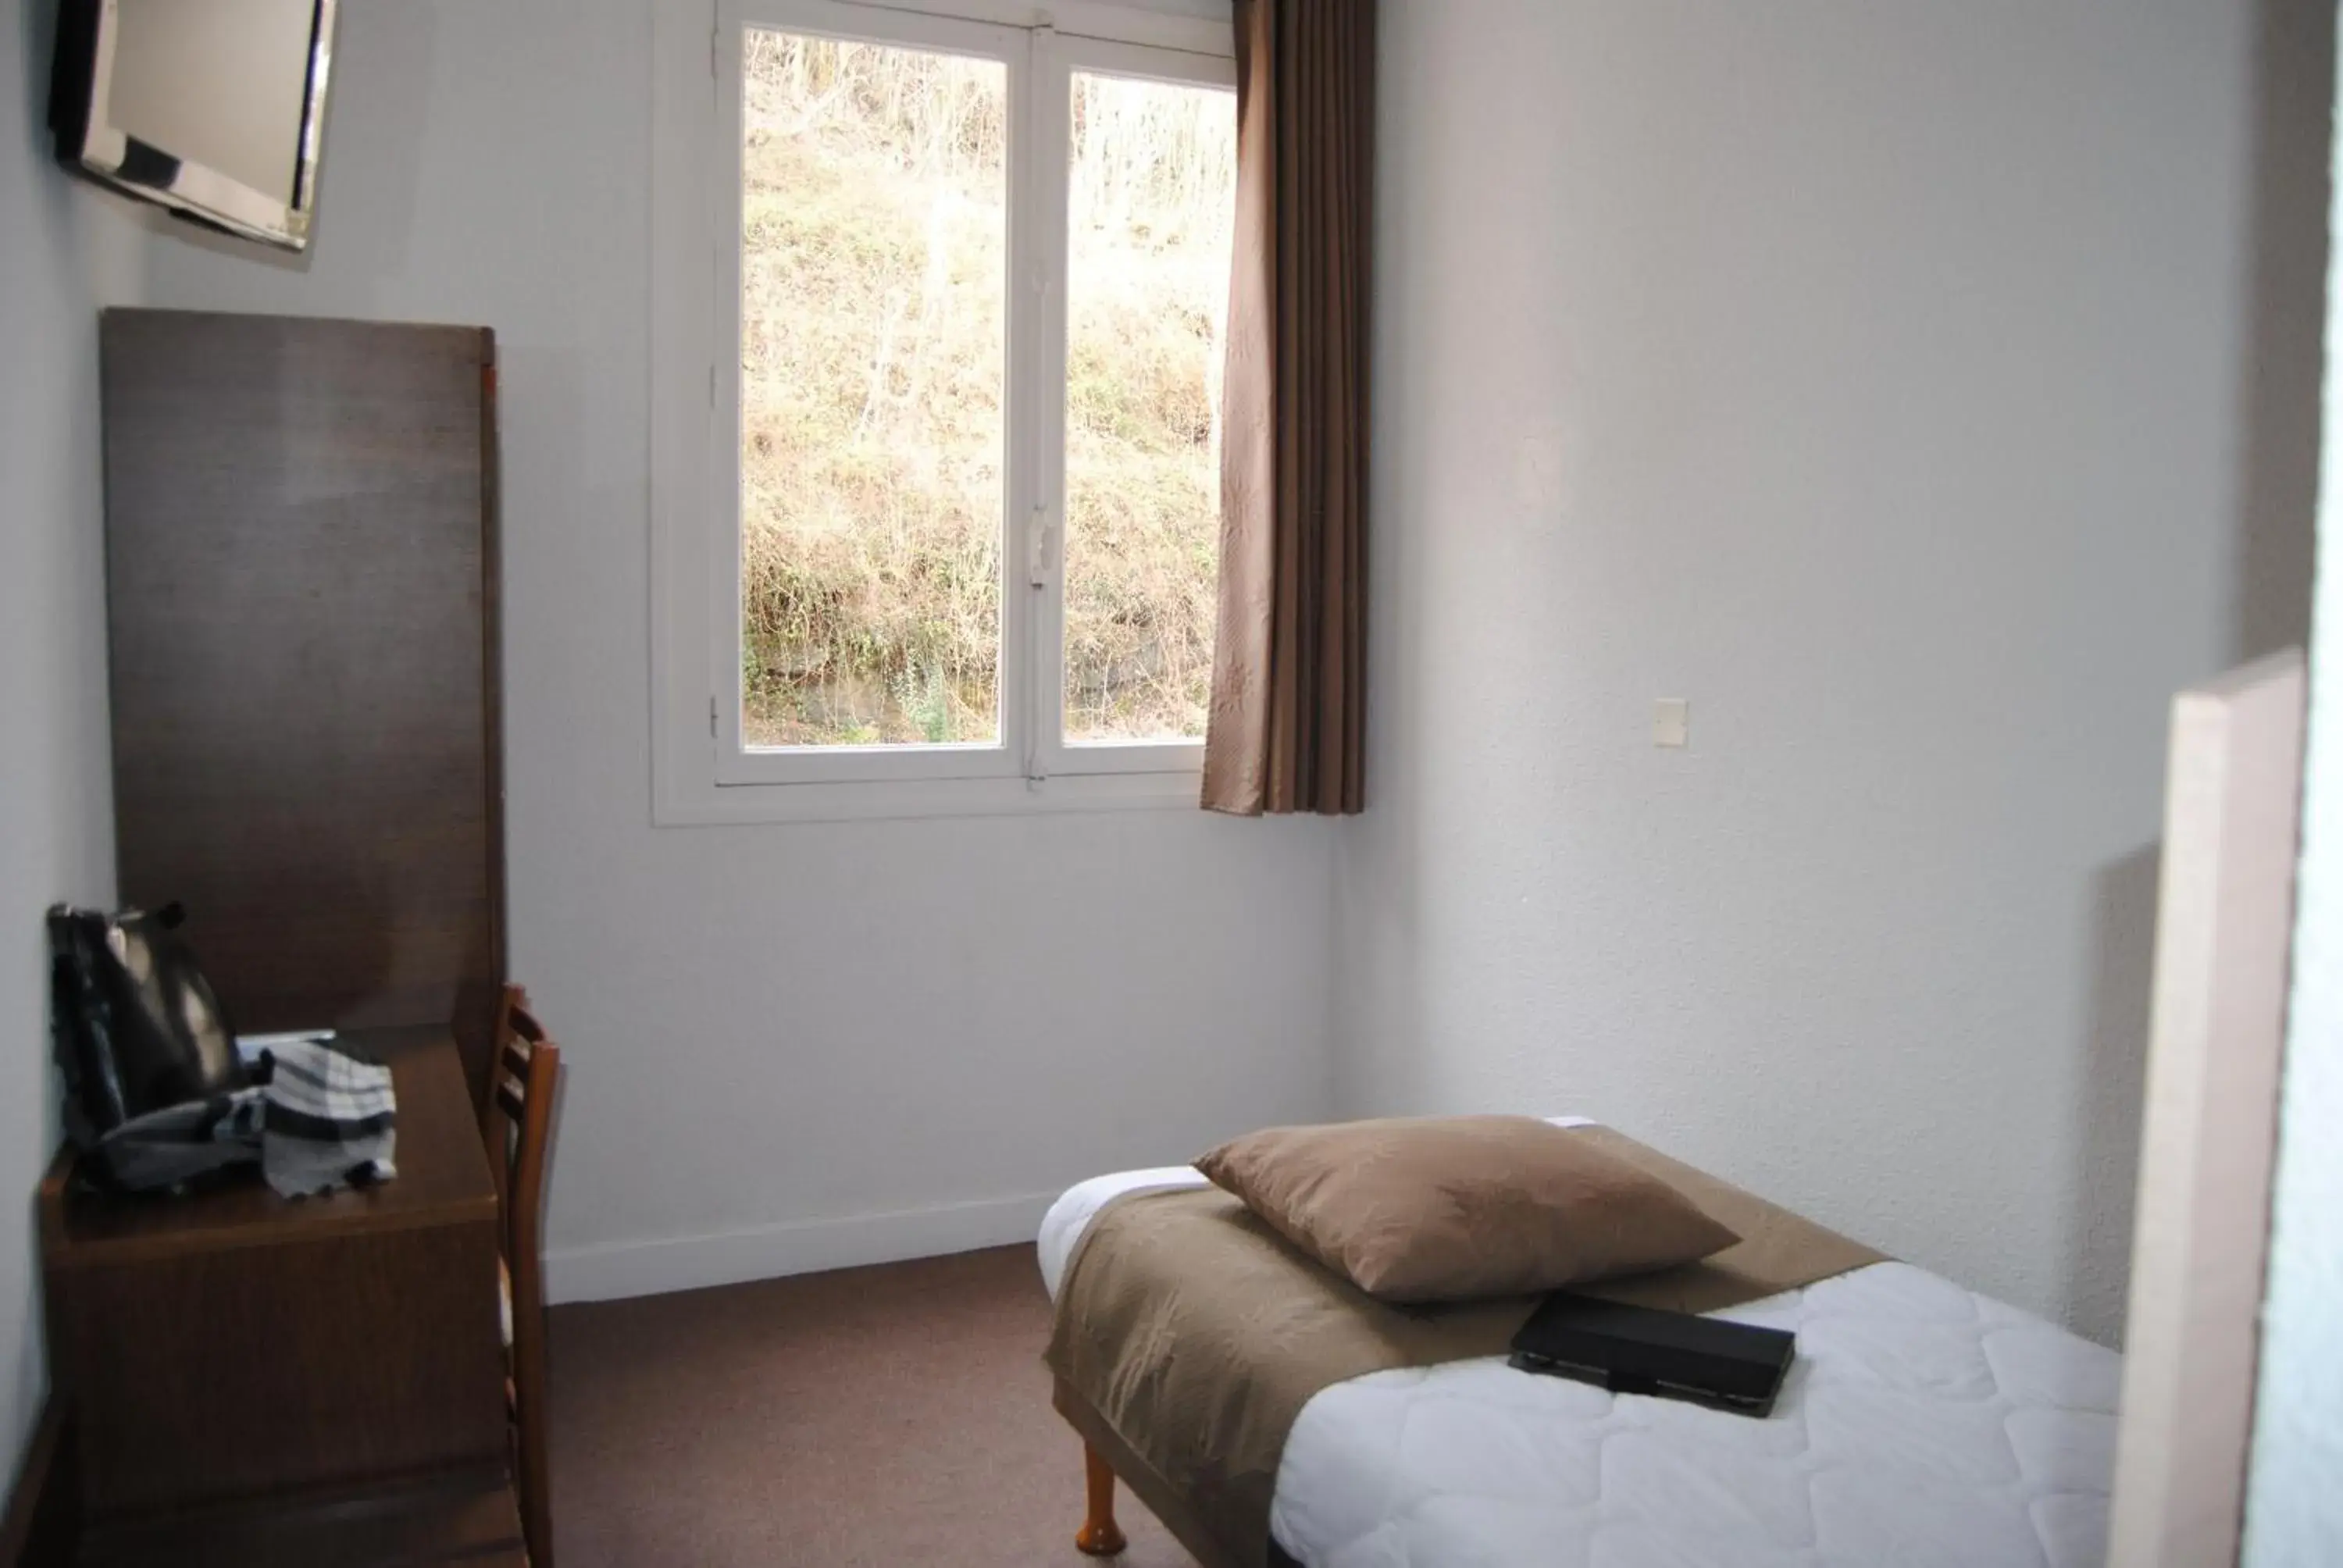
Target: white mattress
[{"x": 1922, "y": 1424}]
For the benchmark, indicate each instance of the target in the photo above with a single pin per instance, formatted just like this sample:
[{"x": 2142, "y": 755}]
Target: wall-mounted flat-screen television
[{"x": 213, "y": 108}]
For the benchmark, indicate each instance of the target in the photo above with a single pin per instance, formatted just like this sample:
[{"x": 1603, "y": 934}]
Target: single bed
[{"x": 1922, "y": 1425}]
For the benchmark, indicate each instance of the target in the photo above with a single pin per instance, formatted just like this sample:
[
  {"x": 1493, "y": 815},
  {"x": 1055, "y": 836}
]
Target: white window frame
[{"x": 702, "y": 773}]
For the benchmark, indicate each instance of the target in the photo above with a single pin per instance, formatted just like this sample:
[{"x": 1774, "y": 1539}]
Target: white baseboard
[{"x": 612, "y": 1270}]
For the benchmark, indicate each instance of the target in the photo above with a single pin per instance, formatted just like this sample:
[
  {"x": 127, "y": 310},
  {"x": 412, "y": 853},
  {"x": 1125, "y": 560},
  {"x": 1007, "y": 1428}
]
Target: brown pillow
[{"x": 1451, "y": 1208}]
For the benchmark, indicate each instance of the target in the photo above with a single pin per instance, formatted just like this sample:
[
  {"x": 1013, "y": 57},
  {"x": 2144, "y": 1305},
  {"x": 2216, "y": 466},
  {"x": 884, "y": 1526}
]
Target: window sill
[{"x": 703, "y": 802}]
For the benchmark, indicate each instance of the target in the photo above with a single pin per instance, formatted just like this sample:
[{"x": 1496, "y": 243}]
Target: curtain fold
[{"x": 1286, "y": 729}]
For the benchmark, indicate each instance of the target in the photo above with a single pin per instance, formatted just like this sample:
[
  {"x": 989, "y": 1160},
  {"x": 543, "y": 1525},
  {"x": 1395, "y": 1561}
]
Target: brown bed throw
[{"x": 1189, "y": 1336}]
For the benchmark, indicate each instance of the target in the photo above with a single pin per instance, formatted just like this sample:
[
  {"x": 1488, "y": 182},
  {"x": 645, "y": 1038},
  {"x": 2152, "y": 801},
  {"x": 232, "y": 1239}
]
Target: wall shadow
[
  {"x": 2294, "y": 94},
  {"x": 2114, "y": 1093}
]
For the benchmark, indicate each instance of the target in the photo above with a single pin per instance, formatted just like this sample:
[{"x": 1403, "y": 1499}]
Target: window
[
  {"x": 1152, "y": 208},
  {"x": 874, "y": 230},
  {"x": 955, "y": 542}
]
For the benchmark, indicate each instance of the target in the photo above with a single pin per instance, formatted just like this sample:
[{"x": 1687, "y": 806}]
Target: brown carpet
[{"x": 897, "y": 1415}]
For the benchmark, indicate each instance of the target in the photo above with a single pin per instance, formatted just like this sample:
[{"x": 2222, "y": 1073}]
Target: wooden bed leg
[{"x": 1100, "y": 1537}]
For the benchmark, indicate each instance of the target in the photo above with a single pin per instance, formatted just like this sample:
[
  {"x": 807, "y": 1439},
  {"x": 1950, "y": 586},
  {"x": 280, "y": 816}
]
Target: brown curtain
[{"x": 1289, "y": 664}]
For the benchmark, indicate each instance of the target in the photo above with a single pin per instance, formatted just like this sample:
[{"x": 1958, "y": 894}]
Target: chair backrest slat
[{"x": 517, "y": 1122}]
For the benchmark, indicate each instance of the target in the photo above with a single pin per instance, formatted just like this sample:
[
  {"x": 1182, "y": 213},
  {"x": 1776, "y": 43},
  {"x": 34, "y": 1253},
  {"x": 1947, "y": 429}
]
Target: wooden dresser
[
  {"x": 301, "y": 582},
  {"x": 256, "y": 1379}
]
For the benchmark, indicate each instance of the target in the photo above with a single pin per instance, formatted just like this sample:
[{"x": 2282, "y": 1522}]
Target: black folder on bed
[{"x": 1639, "y": 1350}]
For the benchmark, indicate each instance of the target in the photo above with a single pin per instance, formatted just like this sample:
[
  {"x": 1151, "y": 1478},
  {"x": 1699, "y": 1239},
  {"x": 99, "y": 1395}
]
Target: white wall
[
  {"x": 63, "y": 247},
  {"x": 1918, "y": 388},
  {"x": 773, "y": 1033},
  {"x": 2294, "y": 1512}
]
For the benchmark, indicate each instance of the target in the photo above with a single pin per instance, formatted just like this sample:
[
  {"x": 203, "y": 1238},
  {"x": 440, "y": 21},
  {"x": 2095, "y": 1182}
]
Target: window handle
[{"x": 1040, "y": 546}]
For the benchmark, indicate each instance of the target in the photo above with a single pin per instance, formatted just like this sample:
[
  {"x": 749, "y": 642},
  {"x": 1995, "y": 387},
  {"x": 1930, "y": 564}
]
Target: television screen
[{"x": 211, "y": 107}]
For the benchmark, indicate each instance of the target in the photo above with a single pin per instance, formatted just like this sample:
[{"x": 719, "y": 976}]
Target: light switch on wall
[{"x": 1672, "y": 721}]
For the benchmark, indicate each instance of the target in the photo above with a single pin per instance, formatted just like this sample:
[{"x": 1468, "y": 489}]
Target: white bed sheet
[{"x": 1922, "y": 1426}]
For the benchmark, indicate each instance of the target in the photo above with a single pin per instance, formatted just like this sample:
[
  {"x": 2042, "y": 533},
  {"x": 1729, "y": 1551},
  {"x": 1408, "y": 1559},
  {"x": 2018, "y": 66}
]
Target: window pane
[
  {"x": 872, "y": 354},
  {"x": 1153, "y": 207}
]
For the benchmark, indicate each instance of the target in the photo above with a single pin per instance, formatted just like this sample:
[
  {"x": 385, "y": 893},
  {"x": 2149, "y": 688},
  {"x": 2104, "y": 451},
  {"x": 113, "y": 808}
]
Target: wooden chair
[{"x": 515, "y": 1121}]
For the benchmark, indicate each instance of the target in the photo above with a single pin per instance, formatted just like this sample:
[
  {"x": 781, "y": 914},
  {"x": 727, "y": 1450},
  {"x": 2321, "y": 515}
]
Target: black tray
[{"x": 1673, "y": 1355}]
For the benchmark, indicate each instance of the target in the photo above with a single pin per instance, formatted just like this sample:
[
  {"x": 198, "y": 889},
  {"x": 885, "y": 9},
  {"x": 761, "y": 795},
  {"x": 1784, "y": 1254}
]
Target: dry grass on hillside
[{"x": 872, "y": 432}]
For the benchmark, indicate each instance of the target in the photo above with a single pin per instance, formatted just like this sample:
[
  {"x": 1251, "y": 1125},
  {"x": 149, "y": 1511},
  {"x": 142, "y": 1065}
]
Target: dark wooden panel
[
  {"x": 228, "y": 1346},
  {"x": 299, "y": 548},
  {"x": 467, "y": 1519},
  {"x": 236, "y": 1373},
  {"x": 42, "y": 1526}
]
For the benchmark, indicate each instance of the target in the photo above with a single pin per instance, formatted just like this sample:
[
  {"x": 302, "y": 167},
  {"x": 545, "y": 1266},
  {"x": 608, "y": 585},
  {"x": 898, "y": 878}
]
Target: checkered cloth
[
  {"x": 330, "y": 1120},
  {"x": 319, "y": 1116}
]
